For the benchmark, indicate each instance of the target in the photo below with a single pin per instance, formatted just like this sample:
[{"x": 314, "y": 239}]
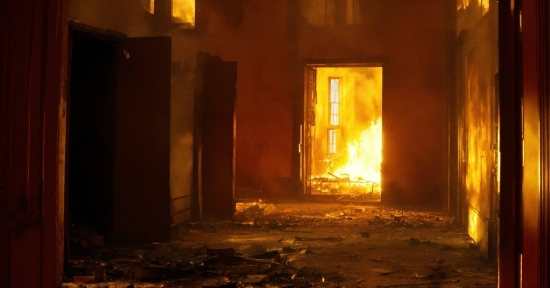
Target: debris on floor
[
  {"x": 160, "y": 262},
  {"x": 293, "y": 245}
]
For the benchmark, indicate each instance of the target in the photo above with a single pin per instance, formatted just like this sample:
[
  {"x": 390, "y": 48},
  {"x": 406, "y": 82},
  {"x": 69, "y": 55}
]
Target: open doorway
[
  {"x": 119, "y": 96},
  {"x": 91, "y": 134},
  {"x": 344, "y": 136}
]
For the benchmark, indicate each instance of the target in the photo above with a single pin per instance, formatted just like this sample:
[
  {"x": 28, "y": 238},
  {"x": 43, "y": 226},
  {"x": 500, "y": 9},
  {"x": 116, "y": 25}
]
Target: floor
[{"x": 297, "y": 244}]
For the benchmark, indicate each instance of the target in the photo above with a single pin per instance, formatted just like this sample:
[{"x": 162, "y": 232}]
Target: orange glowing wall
[
  {"x": 413, "y": 40},
  {"x": 271, "y": 42},
  {"x": 478, "y": 122}
]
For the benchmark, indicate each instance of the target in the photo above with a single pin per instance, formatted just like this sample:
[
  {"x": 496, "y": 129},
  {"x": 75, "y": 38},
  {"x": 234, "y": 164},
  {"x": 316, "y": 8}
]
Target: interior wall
[
  {"x": 125, "y": 16},
  {"x": 478, "y": 122},
  {"x": 253, "y": 34},
  {"x": 414, "y": 42},
  {"x": 268, "y": 43}
]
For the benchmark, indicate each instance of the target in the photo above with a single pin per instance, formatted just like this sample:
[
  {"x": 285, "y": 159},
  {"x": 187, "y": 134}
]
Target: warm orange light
[
  {"x": 149, "y": 6},
  {"x": 183, "y": 11},
  {"x": 347, "y": 136},
  {"x": 483, "y": 4},
  {"x": 365, "y": 155}
]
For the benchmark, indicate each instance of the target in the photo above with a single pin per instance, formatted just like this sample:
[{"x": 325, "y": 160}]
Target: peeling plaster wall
[{"x": 478, "y": 122}]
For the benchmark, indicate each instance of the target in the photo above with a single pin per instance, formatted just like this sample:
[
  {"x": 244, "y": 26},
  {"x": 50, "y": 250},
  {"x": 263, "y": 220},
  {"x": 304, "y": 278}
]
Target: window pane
[
  {"x": 331, "y": 141},
  {"x": 334, "y": 100},
  {"x": 183, "y": 11}
]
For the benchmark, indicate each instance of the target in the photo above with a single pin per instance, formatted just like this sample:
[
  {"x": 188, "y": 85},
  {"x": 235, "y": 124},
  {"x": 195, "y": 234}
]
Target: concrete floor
[{"x": 333, "y": 245}]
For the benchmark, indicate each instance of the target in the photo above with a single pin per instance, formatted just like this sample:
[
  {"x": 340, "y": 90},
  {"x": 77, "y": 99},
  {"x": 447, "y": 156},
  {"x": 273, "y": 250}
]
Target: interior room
[
  {"x": 372, "y": 133},
  {"x": 240, "y": 143}
]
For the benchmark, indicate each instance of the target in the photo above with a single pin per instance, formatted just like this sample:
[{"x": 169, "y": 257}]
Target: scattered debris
[
  {"x": 318, "y": 239},
  {"x": 154, "y": 263},
  {"x": 239, "y": 261},
  {"x": 365, "y": 234},
  {"x": 415, "y": 241},
  {"x": 220, "y": 252}
]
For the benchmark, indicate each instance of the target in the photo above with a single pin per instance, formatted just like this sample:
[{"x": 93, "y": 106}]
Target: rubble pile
[
  {"x": 290, "y": 245},
  {"x": 203, "y": 266},
  {"x": 410, "y": 219}
]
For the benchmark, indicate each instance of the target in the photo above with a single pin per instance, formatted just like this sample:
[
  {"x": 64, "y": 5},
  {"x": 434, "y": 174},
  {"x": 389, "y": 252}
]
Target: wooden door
[
  {"x": 142, "y": 148},
  {"x": 310, "y": 99},
  {"x": 216, "y": 159}
]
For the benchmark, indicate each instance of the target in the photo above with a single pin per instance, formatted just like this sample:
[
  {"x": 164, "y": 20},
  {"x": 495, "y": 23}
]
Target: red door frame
[
  {"x": 535, "y": 95},
  {"x": 523, "y": 48},
  {"x": 42, "y": 44}
]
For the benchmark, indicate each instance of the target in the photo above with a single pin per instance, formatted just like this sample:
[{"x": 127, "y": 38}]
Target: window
[
  {"x": 183, "y": 12},
  {"x": 178, "y": 12},
  {"x": 334, "y": 113},
  {"x": 334, "y": 104},
  {"x": 331, "y": 141}
]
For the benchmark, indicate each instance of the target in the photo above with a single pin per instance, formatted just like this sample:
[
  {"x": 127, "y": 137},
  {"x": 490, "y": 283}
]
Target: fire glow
[
  {"x": 183, "y": 11},
  {"x": 347, "y": 142},
  {"x": 364, "y": 155}
]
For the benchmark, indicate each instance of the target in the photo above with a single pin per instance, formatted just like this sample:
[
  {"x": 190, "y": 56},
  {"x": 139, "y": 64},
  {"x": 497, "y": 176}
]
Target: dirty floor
[{"x": 297, "y": 244}]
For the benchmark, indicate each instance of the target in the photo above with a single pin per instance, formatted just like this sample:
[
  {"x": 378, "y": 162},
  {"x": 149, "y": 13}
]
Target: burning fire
[
  {"x": 365, "y": 155},
  {"x": 464, "y": 4},
  {"x": 360, "y": 175},
  {"x": 347, "y": 135},
  {"x": 183, "y": 11}
]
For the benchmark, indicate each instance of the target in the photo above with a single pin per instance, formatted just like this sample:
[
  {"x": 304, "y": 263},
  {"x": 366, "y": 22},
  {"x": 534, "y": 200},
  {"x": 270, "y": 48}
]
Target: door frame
[
  {"x": 303, "y": 172},
  {"x": 101, "y": 35},
  {"x": 524, "y": 84}
]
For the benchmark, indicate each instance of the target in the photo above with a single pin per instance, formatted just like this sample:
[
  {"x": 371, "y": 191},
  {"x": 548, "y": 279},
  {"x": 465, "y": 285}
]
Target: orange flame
[
  {"x": 347, "y": 136},
  {"x": 365, "y": 155},
  {"x": 183, "y": 11}
]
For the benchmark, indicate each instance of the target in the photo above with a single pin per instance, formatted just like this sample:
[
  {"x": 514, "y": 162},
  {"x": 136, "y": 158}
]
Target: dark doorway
[
  {"x": 214, "y": 149},
  {"x": 118, "y": 152},
  {"x": 91, "y": 132}
]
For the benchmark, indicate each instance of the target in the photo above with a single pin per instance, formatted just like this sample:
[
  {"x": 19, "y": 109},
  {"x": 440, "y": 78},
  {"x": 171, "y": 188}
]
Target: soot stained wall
[
  {"x": 478, "y": 122},
  {"x": 414, "y": 42},
  {"x": 254, "y": 34}
]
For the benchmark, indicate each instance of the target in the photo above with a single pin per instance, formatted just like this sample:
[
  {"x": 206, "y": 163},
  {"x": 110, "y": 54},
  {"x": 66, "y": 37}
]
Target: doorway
[
  {"x": 118, "y": 138},
  {"x": 91, "y": 133},
  {"x": 344, "y": 131}
]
